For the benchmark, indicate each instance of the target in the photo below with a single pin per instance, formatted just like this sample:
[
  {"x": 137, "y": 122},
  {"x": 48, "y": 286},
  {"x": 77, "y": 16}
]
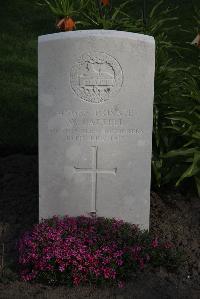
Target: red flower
[
  {"x": 66, "y": 24},
  {"x": 105, "y": 2},
  {"x": 154, "y": 243}
]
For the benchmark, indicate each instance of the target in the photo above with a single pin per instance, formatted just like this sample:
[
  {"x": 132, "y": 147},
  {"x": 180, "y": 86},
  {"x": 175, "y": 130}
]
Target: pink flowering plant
[{"x": 79, "y": 250}]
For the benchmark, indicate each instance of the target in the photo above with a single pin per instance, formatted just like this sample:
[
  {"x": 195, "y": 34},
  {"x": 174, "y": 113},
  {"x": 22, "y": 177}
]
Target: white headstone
[{"x": 95, "y": 124}]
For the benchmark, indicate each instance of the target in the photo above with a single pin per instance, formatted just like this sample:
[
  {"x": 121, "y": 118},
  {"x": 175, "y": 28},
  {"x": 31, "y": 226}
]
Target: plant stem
[
  {"x": 99, "y": 8},
  {"x": 144, "y": 13}
]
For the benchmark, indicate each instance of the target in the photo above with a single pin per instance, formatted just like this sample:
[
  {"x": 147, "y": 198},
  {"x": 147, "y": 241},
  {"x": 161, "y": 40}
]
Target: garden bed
[{"x": 174, "y": 217}]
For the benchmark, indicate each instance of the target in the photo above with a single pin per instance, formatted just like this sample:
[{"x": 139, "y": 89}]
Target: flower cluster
[{"x": 77, "y": 250}]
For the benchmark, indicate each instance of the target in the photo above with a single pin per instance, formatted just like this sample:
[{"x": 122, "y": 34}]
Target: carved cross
[{"x": 94, "y": 171}]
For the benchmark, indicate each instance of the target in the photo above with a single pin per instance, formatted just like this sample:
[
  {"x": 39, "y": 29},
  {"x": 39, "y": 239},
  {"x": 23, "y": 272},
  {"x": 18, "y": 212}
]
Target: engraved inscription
[
  {"x": 96, "y": 77},
  {"x": 94, "y": 171},
  {"x": 100, "y": 125}
]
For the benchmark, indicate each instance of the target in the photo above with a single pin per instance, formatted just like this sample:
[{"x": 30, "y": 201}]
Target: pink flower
[
  {"x": 119, "y": 262},
  {"x": 121, "y": 284},
  {"x": 136, "y": 250},
  {"x": 109, "y": 273},
  {"x": 62, "y": 268},
  {"x": 76, "y": 280},
  {"x": 154, "y": 243},
  {"x": 167, "y": 245}
]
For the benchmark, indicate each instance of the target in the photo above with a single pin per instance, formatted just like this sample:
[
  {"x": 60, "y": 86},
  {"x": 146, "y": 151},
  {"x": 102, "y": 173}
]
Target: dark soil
[{"x": 173, "y": 216}]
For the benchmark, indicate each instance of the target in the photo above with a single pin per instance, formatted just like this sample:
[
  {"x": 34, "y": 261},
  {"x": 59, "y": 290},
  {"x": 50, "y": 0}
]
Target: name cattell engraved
[{"x": 96, "y": 77}]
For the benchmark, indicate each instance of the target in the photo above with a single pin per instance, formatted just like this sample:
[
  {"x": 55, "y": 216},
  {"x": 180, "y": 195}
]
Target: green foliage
[
  {"x": 176, "y": 133},
  {"x": 97, "y": 17},
  {"x": 90, "y": 14},
  {"x": 159, "y": 21},
  {"x": 197, "y": 18},
  {"x": 171, "y": 262},
  {"x": 183, "y": 124},
  {"x": 65, "y": 8}
]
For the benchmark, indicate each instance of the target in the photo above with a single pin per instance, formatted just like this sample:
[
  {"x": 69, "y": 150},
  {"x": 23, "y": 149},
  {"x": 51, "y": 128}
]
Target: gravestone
[{"x": 95, "y": 124}]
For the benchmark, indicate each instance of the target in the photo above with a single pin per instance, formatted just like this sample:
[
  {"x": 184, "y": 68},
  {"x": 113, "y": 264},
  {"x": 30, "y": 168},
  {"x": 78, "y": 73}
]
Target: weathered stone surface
[{"x": 95, "y": 124}]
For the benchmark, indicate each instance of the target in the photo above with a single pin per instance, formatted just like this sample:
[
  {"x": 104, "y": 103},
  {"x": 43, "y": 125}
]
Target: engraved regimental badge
[{"x": 96, "y": 77}]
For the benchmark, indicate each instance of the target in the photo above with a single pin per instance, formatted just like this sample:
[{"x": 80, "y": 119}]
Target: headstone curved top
[
  {"x": 95, "y": 124},
  {"x": 97, "y": 32}
]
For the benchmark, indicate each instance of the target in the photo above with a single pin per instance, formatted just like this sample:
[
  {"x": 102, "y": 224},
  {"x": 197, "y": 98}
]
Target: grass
[{"x": 22, "y": 21}]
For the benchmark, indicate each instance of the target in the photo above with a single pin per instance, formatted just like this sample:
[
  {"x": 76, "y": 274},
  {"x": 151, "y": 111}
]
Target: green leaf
[
  {"x": 197, "y": 180},
  {"x": 153, "y": 11},
  {"x": 181, "y": 152},
  {"x": 192, "y": 170},
  {"x": 183, "y": 119}
]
